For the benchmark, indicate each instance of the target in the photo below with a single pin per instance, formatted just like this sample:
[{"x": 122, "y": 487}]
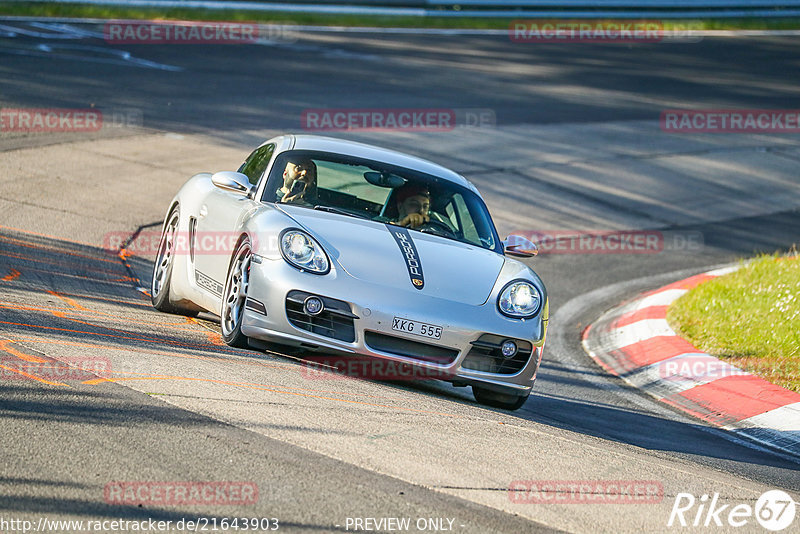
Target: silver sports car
[{"x": 346, "y": 250}]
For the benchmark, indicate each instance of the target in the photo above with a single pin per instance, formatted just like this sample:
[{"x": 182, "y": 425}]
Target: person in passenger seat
[{"x": 299, "y": 182}]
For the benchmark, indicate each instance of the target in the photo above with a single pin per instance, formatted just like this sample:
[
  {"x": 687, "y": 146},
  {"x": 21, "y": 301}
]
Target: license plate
[{"x": 431, "y": 331}]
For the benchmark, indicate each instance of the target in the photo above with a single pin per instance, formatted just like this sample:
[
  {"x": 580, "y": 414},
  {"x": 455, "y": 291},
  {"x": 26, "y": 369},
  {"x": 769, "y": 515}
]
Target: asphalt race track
[{"x": 573, "y": 143}]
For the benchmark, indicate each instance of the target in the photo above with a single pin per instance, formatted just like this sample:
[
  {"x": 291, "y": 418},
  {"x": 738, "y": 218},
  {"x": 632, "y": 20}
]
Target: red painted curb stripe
[
  {"x": 607, "y": 366},
  {"x": 653, "y": 350},
  {"x": 652, "y": 312},
  {"x": 689, "y": 283},
  {"x": 723, "y": 402},
  {"x": 734, "y": 398},
  {"x": 585, "y": 334}
]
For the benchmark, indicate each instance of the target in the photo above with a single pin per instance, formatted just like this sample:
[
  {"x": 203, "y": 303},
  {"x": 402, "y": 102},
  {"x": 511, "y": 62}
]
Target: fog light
[
  {"x": 313, "y": 306},
  {"x": 508, "y": 348}
]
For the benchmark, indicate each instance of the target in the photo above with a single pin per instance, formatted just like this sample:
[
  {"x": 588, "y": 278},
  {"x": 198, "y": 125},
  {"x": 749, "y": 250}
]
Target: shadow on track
[{"x": 53, "y": 269}]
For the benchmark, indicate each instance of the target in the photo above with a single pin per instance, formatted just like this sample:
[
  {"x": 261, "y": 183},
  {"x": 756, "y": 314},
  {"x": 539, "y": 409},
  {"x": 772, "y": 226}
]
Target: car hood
[{"x": 369, "y": 251}]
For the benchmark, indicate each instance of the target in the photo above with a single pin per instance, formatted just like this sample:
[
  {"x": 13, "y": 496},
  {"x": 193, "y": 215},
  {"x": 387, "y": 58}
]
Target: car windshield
[{"x": 374, "y": 190}]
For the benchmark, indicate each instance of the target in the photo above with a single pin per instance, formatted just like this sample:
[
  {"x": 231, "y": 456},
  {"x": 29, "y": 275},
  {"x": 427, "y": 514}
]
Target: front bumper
[{"x": 375, "y": 308}]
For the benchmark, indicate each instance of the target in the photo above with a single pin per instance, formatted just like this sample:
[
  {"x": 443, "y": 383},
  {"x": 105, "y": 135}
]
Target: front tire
[
  {"x": 235, "y": 295},
  {"x": 162, "y": 268},
  {"x": 506, "y": 401}
]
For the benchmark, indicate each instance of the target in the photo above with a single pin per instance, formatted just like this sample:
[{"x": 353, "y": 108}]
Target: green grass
[
  {"x": 56, "y": 9},
  {"x": 750, "y": 318},
  {"x": 112, "y": 12}
]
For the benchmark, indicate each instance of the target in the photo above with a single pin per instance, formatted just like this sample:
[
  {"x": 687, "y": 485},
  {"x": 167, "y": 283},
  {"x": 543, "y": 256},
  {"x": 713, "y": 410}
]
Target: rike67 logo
[{"x": 774, "y": 510}]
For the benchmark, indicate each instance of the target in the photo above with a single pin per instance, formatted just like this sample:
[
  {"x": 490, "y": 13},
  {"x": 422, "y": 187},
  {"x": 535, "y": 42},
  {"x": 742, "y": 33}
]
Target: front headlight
[
  {"x": 300, "y": 250},
  {"x": 519, "y": 299}
]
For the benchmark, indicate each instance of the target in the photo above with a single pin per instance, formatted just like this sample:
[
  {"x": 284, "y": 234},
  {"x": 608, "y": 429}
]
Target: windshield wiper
[
  {"x": 453, "y": 237},
  {"x": 330, "y": 209}
]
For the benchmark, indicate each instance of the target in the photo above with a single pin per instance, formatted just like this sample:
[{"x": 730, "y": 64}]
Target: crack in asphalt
[{"x": 136, "y": 281}]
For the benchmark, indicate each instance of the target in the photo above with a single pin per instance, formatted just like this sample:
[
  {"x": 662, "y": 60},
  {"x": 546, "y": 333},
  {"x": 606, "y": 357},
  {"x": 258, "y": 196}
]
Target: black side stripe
[
  {"x": 208, "y": 283},
  {"x": 410, "y": 254}
]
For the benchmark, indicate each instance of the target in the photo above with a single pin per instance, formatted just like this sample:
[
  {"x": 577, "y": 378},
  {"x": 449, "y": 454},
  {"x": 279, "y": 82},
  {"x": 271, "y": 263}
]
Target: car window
[
  {"x": 464, "y": 218},
  {"x": 349, "y": 179},
  {"x": 369, "y": 189},
  {"x": 257, "y": 162}
]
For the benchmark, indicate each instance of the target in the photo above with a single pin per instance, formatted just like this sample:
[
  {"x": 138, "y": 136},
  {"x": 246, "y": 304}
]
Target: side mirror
[
  {"x": 516, "y": 245},
  {"x": 232, "y": 181}
]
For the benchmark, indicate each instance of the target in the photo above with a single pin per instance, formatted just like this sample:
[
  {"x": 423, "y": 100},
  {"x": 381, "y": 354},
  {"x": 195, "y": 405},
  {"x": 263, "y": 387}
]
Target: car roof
[{"x": 362, "y": 150}]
